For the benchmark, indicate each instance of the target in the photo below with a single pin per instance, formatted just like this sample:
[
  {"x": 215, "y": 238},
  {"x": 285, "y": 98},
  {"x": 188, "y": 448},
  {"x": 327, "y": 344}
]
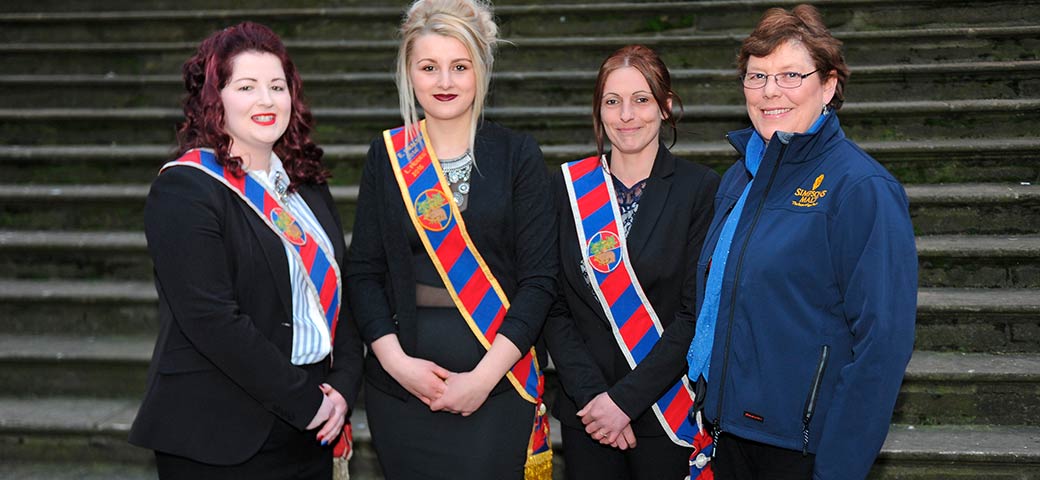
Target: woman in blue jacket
[{"x": 806, "y": 314}]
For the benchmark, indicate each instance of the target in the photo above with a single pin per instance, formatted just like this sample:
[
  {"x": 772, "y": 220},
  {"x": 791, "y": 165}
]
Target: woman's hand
[
  {"x": 323, "y": 413},
  {"x": 466, "y": 392},
  {"x": 626, "y": 440},
  {"x": 421, "y": 378},
  {"x": 337, "y": 415},
  {"x": 603, "y": 420}
]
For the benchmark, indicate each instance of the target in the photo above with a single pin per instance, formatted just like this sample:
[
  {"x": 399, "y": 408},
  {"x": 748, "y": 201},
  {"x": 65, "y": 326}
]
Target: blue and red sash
[
  {"x": 475, "y": 291},
  {"x": 323, "y": 277},
  {"x": 632, "y": 319}
]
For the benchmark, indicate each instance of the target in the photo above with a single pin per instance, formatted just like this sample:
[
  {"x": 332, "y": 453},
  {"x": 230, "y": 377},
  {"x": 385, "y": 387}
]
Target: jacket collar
[{"x": 801, "y": 147}]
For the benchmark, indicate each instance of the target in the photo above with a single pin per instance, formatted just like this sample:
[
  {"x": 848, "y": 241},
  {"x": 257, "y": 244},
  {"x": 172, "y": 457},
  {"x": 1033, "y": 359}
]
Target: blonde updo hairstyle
[{"x": 468, "y": 21}]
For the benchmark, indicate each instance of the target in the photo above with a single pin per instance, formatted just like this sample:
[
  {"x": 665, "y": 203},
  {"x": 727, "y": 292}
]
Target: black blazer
[
  {"x": 664, "y": 244},
  {"x": 220, "y": 375},
  {"x": 510, "y": 218}
]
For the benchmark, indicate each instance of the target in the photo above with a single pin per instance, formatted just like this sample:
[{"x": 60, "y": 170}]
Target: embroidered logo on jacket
[{"x": 808, "y": 198}]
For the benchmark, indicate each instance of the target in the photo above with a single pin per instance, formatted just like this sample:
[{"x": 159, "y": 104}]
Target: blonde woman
[{"x": 453, "y": 265}]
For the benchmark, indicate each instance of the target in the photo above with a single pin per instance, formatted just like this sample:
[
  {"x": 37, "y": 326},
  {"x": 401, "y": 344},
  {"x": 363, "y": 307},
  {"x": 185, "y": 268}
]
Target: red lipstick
[{"x": 264, "y": 119}]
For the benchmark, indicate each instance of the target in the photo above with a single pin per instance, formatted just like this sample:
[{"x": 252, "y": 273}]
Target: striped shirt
[{"x": 311, "y": 342}]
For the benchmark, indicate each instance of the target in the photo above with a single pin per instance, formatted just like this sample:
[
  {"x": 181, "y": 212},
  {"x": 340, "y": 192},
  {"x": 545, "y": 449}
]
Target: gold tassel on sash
[{"x": 539, "y": 466}]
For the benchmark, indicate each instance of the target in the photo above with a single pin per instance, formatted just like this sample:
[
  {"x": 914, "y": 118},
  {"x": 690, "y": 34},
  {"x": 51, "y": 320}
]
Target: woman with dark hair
[
  {"x": 256, "y": 362},
  {"x": 632, "y": 220},
  {"x": 806, "y": 314}
]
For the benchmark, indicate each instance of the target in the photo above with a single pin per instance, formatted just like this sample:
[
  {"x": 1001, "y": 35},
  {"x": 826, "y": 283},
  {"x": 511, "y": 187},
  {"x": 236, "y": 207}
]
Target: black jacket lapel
[
  {"x": 652, "y": 203},
  {"x": 274, "y": 254}
]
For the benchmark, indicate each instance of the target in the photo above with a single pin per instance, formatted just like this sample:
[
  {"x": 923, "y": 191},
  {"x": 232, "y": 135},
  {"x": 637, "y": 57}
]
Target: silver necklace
[
  {"x": 281, "y": 186},
  {"x": 457, "y": 170}
]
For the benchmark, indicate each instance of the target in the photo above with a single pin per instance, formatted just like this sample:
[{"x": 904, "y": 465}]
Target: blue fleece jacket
[{"x": 816, "y": 316}]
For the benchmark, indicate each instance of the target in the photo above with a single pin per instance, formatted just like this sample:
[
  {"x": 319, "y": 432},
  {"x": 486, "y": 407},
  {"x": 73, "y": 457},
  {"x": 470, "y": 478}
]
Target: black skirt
[{"x": 414, "y": 443}]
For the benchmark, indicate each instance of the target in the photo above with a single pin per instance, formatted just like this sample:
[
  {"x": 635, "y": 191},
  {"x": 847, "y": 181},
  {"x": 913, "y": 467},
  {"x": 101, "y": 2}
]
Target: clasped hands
[
  {"x": 443, "y": 390},
  {"x": 606, "y": 423}
]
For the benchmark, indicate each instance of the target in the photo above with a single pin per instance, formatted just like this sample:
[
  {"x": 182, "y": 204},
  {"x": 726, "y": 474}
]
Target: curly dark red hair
[{"x": 208, "y": 71}]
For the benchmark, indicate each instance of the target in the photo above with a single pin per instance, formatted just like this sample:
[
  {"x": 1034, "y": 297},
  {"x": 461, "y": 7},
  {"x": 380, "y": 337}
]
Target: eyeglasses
[{"x": 783, "y": 79}]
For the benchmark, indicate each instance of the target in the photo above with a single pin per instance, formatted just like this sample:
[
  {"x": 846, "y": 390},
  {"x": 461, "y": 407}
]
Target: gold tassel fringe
[{"x": 539, "y": 467}]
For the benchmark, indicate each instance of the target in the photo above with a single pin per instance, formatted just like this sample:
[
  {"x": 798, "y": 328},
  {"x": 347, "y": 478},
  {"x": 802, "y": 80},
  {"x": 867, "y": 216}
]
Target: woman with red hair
[{"x": 246, "y": 243}]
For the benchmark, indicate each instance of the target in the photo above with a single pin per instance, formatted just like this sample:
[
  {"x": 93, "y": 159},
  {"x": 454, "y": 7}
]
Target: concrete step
[
  {"x": 50, "y": 437},
  {"x": 73, "y": 207},
  {"x": 935, "y": 209},
  {"x": 945, "y": 388},
  {"x": 35, "y": 435},
  {"x": 978, "y": 320},
  {"x": 863, "y": 121},
  {"x": 943, "y": 81},
  {"x": 104, "y": 367},
  {"x": 68, "y": 429},
  {"x": 81, "y": 308},
  {"x": 979, "y": 261},
  {"x": 592, "y": 18},
  {"x": 43, "y": 470},
  {"x": 997, "y": 159},
  {"x": 959, "y": 453},
  {"x": 697, "y": 50},
  {"x": 75, "y": 255},
  {"x": 975, "y": 208},
  {"x": 948, "y": 319}
]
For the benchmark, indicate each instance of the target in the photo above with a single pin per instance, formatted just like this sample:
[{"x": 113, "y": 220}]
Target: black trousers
[
  {"x": 654, "y": 458},
  {"x": 286, "y": 454},
  {"x": 741, "y": 459}
]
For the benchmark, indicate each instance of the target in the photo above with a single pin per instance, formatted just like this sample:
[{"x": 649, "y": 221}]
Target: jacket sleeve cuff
[
  {"x": 299, "y": 409},
  {"x": 623, "y": 403},
  {"x": 520, "y": 339},
  {"x": 375, "y": 330}
]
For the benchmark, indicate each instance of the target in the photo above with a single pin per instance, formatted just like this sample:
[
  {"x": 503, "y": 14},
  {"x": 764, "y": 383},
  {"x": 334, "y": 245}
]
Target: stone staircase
[{"x": 946, "y": 94}]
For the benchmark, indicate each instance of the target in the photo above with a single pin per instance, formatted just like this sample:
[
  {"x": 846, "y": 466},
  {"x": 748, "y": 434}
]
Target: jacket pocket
[{"x": 813, "y": 396}]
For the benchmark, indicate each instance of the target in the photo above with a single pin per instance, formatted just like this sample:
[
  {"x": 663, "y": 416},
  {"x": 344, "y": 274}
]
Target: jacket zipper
[
  {"x": 733, "y": 297},
  {"x": 810, "y": 401}
]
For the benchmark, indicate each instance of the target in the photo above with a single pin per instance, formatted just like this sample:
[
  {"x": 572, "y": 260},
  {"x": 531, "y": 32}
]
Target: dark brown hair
[
  {"x": 804, "y": 24},
  {"x": 208, "y": 71},
  {"x": 656, "y": 74}
]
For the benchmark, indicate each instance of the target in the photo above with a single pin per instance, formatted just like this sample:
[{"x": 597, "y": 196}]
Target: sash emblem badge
[{"x": 604, "y": 251}]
